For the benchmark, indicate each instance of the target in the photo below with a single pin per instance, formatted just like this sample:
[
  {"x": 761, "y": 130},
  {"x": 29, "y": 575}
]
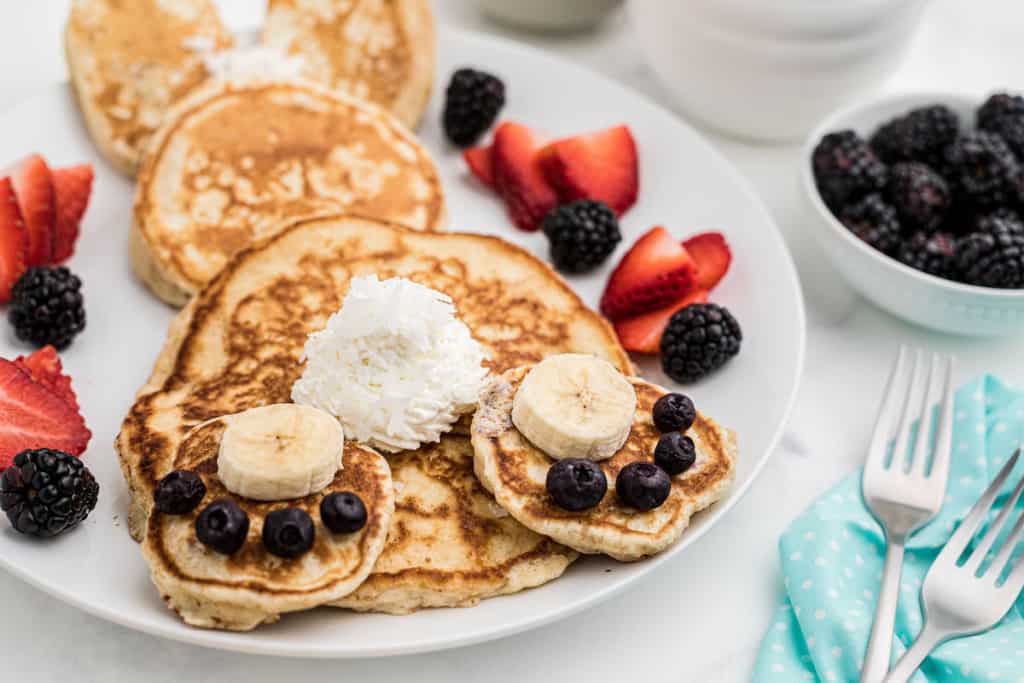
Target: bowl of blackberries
[{"x": 921, "y": 201}]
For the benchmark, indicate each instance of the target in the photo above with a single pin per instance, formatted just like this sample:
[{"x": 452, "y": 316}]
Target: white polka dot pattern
[{"x": 832, "y": 561}]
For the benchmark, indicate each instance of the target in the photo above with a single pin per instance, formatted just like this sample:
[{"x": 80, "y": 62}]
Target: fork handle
[
  {"x": 879, "y": 652},
  {"x": 929, "y": 639}
]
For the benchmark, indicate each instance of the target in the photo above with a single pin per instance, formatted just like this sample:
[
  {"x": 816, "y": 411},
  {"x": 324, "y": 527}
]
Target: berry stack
[{"x": 943, "y": 200}]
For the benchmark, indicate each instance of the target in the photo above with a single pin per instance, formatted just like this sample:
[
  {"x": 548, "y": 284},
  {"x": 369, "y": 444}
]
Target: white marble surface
[{"x": 701, "y": 617}]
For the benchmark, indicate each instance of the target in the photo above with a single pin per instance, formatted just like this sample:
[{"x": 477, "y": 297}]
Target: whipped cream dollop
[
  {"x": 394, "y": 365},
  {"x": 253, "y": 61}
]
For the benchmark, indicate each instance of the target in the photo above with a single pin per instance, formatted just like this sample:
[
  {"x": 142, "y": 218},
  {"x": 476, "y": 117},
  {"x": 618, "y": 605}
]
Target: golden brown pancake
[
  {"x": 131, "y": 61},
  {"x": 451, "y": 544},
  {"x": 515, "y": 472},
  {"x": 238, "y": 345},
  {"x": 252, "y": 586},
  {"x": 377, "y": 50},
  {"x": 237, "y": 160}
]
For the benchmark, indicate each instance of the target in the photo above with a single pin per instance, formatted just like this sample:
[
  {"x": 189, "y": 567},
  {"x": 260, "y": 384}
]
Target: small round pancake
[
  {"x": 237, "y": 161},
  {"x": 378, "y": 50},
  {"x": 451, "y": 544},
  {"x": 515, "y": 472},
  {"x": 252, "y": 587}
]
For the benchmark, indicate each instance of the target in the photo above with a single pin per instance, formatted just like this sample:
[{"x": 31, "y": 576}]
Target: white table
[{"x": 701, "y": 617}]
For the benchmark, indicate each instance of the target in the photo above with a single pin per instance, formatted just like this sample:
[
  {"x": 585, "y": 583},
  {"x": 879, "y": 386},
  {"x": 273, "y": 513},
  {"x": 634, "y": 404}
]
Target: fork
[
  {"x": 904, "y": 494},
  {"x": 960, "y": 600}
]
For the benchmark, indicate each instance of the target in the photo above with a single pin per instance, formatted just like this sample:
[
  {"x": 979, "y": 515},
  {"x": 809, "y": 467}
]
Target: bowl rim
[{"x": 837, "y": 120}]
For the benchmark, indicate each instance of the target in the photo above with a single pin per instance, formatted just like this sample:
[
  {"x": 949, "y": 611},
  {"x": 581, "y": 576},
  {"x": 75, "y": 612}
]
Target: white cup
[
  {"x": 769, "y": 70},
  {"x": 549, "y": 15}
]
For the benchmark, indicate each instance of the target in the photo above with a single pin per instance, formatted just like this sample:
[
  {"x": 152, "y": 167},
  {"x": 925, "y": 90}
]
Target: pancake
[
  {"x": 238, "y": 345},
  {"x": 377, "y": 50},
  {"x": 130, "y": 61},
  {"x": 515, "y": 471},
  {"x": 253, "y": 587},
  {"x": 235, "y": 160},
  {"x": 451, "y": 544}
]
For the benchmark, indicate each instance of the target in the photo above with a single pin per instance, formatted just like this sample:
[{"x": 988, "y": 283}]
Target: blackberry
[
  {"x": 845, "y": 169},
  {"x": 983, "y": 171},
  {"x": 934, "y": 254},
  {"x": 46, "y": 307},
  {"x": 698, "y": 340},
  {"x": 582, "y": 234},
  {"x": 919, "y": 135},
  {"x": 999, "y": 105},
  {"x": 472, "y": 102},
  {"x": 46, "y": 492},
  {"x": 875, "y": 222},
  {"x": 994, "y": 258},
  {"x": 920, "y": 195}
]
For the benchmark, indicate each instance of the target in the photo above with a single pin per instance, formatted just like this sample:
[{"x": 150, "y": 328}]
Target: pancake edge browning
[
  {"x": 416, "y": 24},
  {"x": 164, "y": 278},
  {"x": 499, "y": 470}
]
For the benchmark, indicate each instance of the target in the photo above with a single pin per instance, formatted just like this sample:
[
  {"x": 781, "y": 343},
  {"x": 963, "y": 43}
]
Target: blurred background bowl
[
  {"x": 770, "y": 70},
  {"x": 549, "y": 15},
  {"x": 910, "y": 294}
]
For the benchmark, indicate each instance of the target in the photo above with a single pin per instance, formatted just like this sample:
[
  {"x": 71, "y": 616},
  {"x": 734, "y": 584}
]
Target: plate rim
[{"x": 236, "y": 642}]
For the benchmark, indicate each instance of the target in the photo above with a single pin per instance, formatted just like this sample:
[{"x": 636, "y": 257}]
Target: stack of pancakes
[{"x": 257, "y": 202}]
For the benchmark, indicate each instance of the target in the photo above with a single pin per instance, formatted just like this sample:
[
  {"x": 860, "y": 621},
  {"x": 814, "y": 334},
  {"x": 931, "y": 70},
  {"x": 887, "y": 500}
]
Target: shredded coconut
[{"x": 394, "y": 365}]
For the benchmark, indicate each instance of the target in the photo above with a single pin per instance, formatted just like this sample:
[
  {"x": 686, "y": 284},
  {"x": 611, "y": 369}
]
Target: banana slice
[
  {"x": 280, "y": 452},
  {"x": 575, "y": 406}
]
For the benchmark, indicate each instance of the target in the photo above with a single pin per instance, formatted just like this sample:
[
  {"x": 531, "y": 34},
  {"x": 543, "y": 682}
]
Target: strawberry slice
[
  {"x": 33, "y": 417},
  {"x": 33, "y": 185},
  {"x": 13, "y": 240},
  {"x": 713, "y": 256},
  {"x": 601, "y": 166},
  {"x": 518, "y": 176},
  {"x": 642, "y": 333},
  {"x": 656, "y": 271},
  {"x": 45, "y": 368},
  {"x": 72, "y": 187},
  {"x": 481, "y": 163}
]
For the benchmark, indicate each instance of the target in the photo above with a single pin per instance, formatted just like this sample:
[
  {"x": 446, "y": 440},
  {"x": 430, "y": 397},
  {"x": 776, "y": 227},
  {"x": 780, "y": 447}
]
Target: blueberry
[
  {"x": 343, "y": 513},
  {"x": 675, "y": 453},
  {"x": 179, "y": 493},
  {"x": 642, "y": 485},
  {"x": 288, "y": 532},
  {"x": 674, "y": 412},
  {"x": 576, "y": 484},
  {"x": 222, "y": 526}
]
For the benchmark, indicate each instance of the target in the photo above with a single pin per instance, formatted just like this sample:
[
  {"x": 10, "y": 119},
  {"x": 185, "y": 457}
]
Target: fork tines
[
  {"x": 920, "y": 389},
  {"x": 957, "y": 543}
]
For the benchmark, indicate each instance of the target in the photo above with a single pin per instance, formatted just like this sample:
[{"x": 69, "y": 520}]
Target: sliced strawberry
[
  {"x": 33, "y": 185},
  {"x": 642, "y": 333},
  {"x": 601, "y": 166},
  {"x": 33, "y": 417},
  {"x": 481, "y": 163},
  {"x": 713, "y": 256},
  {"x": 518, "y": 176},
  {"x": 45, "y": 368},
  {"x": 72, "y": 187},
  {"x": 656, "y": 271},
  {"x": 13, "y": 240}
]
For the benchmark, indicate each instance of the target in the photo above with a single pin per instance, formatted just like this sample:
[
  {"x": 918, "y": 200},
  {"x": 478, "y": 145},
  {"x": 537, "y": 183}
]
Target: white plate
[{"x": 685, "y": 185}]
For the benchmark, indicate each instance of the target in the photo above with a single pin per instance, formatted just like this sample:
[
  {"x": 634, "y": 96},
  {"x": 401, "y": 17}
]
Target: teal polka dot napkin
[{"x": 832, "y": 563}]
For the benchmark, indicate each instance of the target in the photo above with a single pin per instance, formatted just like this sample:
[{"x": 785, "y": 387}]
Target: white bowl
[
  {"x": 549, "y": 15},
  {"x": 771, "y": 70},
  {"x": 910, "y": 294}
]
